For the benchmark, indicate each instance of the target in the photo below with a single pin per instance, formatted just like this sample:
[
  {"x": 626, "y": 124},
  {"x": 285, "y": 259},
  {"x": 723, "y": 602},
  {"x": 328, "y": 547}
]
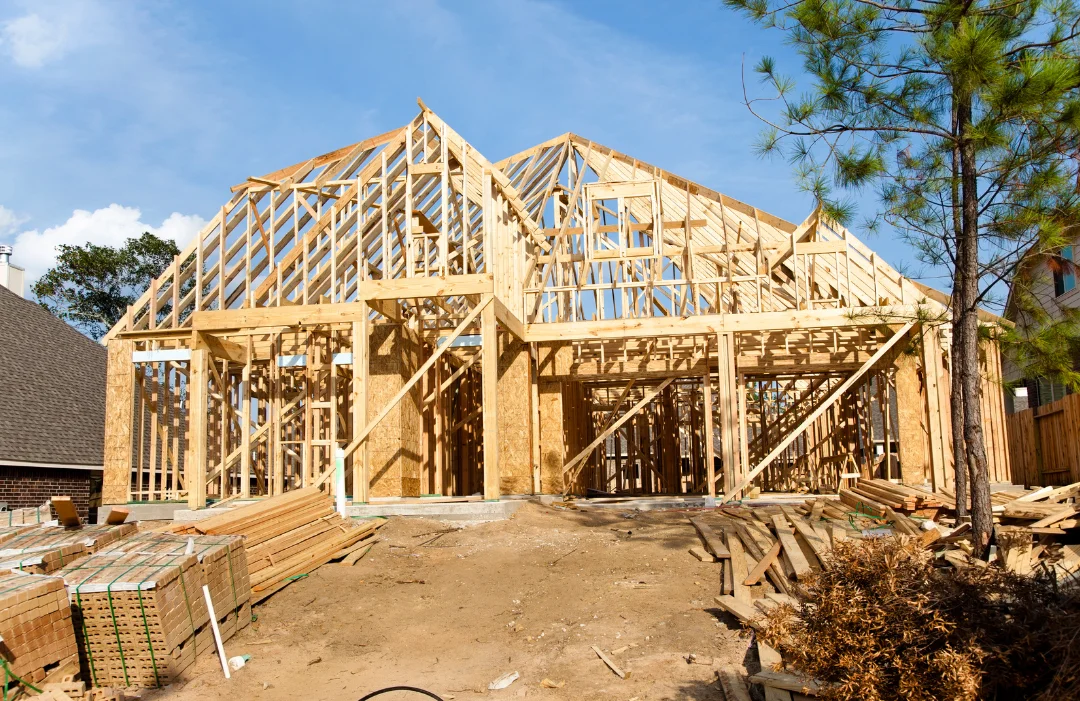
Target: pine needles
[{"x": 881, "y": 622}]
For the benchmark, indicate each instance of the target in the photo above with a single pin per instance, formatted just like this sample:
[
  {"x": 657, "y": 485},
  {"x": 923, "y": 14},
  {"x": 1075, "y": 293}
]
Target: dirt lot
[{"x": 453, "y": 611}]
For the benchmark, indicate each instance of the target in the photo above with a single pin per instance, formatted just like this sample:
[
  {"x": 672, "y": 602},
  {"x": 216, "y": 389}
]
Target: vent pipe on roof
[{"x": 11, "y": 276}]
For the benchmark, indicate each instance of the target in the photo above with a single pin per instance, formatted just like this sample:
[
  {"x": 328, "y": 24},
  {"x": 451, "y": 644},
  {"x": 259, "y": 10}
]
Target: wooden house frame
[{"x": 565, "y": 320}]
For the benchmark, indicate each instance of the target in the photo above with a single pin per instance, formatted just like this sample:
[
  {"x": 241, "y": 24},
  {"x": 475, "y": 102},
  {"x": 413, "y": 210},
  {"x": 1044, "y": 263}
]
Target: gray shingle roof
[{"x": 52, "y": 388}]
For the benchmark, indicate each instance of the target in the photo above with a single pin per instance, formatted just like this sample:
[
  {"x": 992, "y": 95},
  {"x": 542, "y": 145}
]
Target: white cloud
[
  {"x": 9, "y": 221},
  {"x": 32, "y": 41},
  {"x": 35, "y": 251}
]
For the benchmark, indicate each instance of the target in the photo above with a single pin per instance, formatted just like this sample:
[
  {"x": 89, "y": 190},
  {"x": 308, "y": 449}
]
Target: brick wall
[{"x": 23, "y": 487}]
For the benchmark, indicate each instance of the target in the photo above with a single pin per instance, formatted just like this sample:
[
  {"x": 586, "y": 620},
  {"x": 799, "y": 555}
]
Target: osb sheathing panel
[
  {"x": 515, "y": 419},
  {"x": 553, "y": 359},
  {"x": 552, "y": 440},
  {"x": 911, "y": 418},
  {"x": 119, "y": 419},
  {"x": 394, "y": 445}
]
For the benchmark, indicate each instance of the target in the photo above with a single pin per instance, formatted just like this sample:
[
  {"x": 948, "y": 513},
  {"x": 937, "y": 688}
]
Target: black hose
[{"x": 388, "y": 689}]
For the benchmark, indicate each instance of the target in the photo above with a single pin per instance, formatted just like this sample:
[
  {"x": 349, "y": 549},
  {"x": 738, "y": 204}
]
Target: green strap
[
  {"x": 86, "y": 635},
  {"x": 232, "y": 579},
  {"x": 146, "y": 627},
  {"x": 9, "y": 675},
  {"x": 191, "y": 619},
  {"x": 116, "y": 629}
]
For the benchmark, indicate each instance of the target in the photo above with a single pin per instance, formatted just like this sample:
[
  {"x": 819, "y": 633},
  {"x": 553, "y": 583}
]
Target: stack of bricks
[
  {"x": 224, "y": 565},
  {"x": 44, "y": 559},
  {"x": 35, "y": 623},
  {"x": 32, "y": 516},
  {"x": 46, "y": 549},
  {"x": 93, "y": 538},
  {"x": 9, "y": 532},
  {"x": 140, "y": 620}
]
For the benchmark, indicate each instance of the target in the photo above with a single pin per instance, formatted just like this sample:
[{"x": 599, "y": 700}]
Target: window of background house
[{"x": 1065, "y": 280}]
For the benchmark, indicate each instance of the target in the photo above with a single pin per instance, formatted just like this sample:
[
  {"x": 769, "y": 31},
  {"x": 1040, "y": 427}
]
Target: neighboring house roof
[{"x": 52, "y": 389}]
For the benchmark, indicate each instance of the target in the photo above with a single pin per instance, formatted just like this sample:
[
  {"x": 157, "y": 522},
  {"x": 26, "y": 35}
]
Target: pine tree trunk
[
  {"x": 956, "y": 377},
  {"x": 967, "y": 265},
  {"x": 960, "y": 463}
]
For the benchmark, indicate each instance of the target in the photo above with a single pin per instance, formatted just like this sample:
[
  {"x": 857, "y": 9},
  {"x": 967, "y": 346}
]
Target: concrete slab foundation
[
  {"x": 145, "y": 511},
  {"x": 439, "y": 510},
  {"x": 442, "y": 511}
]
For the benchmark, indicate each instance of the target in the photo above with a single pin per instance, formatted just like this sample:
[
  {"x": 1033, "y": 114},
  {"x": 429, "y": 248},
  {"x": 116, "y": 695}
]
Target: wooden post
[
  {"x": 710, "y": 469},
  {"x": 245, "y": 427},
  {"x": 197, "y": 416},
  {"x": 729, "y": 430},
  {"x": 490, "y": 372}
]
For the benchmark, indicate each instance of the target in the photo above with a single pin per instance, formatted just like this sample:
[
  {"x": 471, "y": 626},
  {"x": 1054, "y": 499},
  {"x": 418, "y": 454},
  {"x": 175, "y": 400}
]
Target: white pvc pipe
[{"x": 217, "y": 633}]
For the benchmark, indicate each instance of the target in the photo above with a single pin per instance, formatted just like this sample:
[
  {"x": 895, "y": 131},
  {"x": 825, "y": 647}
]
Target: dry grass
[{"x": 881, "y": 622}]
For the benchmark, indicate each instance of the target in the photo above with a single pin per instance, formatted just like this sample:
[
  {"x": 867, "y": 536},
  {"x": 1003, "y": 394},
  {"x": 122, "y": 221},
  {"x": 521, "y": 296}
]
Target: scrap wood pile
[
  {"x": 286, "y": 536},
  {"x": 774, "y": 559}
]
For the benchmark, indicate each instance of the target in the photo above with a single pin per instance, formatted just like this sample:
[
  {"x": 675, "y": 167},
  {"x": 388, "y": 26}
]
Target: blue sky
[{"x": 119, "y": 117}]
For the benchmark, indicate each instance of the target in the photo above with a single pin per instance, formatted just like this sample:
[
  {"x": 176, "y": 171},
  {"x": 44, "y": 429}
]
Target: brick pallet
[
  {"x": 140, "y": 620},
  {"x": 34, "y": 516},
  {"x": 45, "y": 559},
  {"x": 35, "y": 622},
  {"x": 223, "y": 560},
  {"x": 93, "y": 538}
]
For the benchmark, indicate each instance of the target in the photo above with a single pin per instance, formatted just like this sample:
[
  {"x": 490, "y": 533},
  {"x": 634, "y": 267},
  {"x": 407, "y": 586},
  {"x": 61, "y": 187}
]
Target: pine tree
[{"x": 964, "y": 116}]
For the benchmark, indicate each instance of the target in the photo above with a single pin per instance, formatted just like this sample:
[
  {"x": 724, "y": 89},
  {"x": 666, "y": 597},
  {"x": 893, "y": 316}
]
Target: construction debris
[
  {"x": 791, "y": 550},
  {"x": 611, "y": 665}
]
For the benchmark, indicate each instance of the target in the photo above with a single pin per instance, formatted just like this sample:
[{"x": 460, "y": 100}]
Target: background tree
[
  {"x": 92, "y": 286},
  {"x": 964, "y": 116}
]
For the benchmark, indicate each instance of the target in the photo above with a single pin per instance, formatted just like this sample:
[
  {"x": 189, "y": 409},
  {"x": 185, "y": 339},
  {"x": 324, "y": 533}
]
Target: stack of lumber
[
  {"x": 223, "y": 561},
  {"x": 35, "y": 624},
  {"x": 140, "y": 620},
  {"x": 874, "y": 496},
  {"x": 287, "y": 536}
]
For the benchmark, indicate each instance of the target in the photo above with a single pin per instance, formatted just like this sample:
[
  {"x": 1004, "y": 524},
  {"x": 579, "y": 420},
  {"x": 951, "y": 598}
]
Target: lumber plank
[
  {"x": 713, "y": 543},
  {"x": 791, "y": 548},
  {"x": 758, "y": 572},
  {"x": 66, "y": 512}
]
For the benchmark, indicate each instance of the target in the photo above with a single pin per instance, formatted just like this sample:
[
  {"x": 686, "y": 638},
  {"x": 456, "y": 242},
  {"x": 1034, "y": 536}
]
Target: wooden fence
[{"x": 1044, "y": 443}]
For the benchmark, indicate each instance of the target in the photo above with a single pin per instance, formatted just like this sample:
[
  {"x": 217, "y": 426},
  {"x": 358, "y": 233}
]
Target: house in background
[
  {"x": 1056, "y": 290},
  {"x": 52, "y": 404}
]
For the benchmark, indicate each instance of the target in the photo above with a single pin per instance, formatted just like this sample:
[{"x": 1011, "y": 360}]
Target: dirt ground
[{"x": 452, "y": 611}]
